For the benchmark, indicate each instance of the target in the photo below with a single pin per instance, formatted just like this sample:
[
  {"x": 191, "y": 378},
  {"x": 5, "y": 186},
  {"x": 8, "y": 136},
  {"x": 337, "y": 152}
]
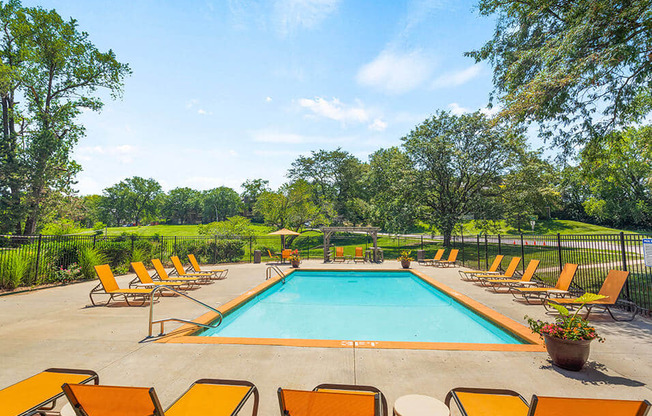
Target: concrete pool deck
[{"x": 56, "y": 328}]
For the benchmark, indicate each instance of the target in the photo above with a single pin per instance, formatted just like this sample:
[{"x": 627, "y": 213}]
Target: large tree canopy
[
  {"x": 578, "y": 68},
  {"x": 457, "y": 161},
  {"x": 49, "y": 72}
]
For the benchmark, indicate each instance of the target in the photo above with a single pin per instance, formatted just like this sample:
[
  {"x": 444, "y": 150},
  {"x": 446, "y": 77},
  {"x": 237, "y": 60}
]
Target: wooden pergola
[{"x": 328, "y": 232}]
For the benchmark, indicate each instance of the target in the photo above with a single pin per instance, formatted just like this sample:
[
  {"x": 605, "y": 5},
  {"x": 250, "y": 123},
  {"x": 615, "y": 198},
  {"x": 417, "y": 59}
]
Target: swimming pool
[{"x": 363, "y": 308}]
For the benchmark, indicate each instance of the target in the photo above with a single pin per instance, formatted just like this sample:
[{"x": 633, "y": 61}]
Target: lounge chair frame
[
  {"x": 49, "y": 404},
  {"x": 218, "y": 274},
  {"x": 380, "y": 401},
  {"x": 178, "y": 270},
  {"x": 469, "y": 275},
  {"x": 542, "y": 296},
  {"x": 506, "y": 285},
  {"x": 438, "y": 255},
  {"x": 511, "y": 271},
  {"x": 606, "y": 307},
  {"x": 101, "y": 290},
  {"x": 453, "y": 395},
  {"x": 450, "y": 261},
  {"x": 167, "y": 278}
]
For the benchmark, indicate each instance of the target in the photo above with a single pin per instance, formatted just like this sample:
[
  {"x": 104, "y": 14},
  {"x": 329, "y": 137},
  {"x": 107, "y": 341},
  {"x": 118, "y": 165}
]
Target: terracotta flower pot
[
  {"x": 405, "y": 264},
  {"x": 568, "y": 354},
  {"x": 295, "y": 263}
]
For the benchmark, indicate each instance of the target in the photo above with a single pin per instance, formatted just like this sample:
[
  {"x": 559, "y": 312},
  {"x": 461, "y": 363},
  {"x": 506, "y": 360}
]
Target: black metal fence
[{"x": 31, "y": 260}]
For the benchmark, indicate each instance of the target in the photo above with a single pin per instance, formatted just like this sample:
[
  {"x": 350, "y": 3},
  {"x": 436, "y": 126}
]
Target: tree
[
  {"x": 130, "y": 200},
  {"x": 55, "y": 70},
  {"x": 253, "y": 188},
  {"x": 457, "y": 161},
  {"x": 182, "y": 206},
  {"x": 391, "y": 180},
  {"x": 337, "y": 177},
  {"x": 292, "y": 206},
  {"x": 578, "y": 68},
  {"x": 221, "y": 203},
  {"x": 619, "y": 174},
  {"x": 530, "y": 190}
]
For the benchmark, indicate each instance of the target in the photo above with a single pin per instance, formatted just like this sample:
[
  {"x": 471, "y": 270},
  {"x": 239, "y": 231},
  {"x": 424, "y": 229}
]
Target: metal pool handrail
[
  {"x": 162, "y": 321},
  {"x": 268, "y": 272}
]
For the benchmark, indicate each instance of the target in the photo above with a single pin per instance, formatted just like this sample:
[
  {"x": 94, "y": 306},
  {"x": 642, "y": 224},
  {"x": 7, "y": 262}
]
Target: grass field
[{"x": 546, "y": 227}]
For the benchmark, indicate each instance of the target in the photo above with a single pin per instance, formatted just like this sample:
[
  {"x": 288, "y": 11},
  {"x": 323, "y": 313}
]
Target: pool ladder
[
  {"x": 271, "y": 269},
  {"x": 185, "y": 321}
]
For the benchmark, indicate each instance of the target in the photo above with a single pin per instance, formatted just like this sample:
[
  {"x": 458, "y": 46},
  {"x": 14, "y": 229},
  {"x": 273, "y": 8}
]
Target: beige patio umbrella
[{"x": 283, "y": 232}]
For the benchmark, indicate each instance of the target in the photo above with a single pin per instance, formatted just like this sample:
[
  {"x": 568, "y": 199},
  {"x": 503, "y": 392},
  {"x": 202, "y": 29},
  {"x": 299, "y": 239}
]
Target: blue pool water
[{"x": 370, "y": 306}]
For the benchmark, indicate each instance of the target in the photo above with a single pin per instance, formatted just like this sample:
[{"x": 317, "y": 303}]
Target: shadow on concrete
[{"x": 594, "y": 374}]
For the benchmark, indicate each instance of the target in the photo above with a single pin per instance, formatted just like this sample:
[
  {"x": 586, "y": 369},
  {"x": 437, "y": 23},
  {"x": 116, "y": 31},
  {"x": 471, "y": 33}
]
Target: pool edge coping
[{"x": 183, "y": 334}]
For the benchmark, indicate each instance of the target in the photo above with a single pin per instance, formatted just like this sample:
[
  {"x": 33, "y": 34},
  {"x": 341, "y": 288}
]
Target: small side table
[{"x": 419, "y": 405}]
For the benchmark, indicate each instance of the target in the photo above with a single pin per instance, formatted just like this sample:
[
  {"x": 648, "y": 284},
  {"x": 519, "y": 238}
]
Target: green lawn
[{"x": 544, "y": 227}]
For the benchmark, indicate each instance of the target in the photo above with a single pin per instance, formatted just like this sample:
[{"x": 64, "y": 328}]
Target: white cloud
[
  {"x": 268, "y": 99},
  {"x": 122, "y": 153},
  {"x": 457, "y": 110},
  {"x": 203, "y": 112},
  {"x": 456, "y": 78},
  {"x": 334, "y": 109},
  {"x": 290, "y": 15},
  {"x": 378, "y": 125},
  {"x": 396, "y": 72},
  {"x": 191, "y": 103}
]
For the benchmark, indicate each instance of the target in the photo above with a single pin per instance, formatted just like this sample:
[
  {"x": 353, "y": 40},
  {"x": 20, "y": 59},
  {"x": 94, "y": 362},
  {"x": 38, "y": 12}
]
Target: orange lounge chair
[
  {"x": 489, "y": 402},
  {"x": 163, "y": 276},
  {"x": 339, "y": 254},
  {"x": 526, "y": 280},
  {"x": 452, "y": 258},
  {"x": 333, "y": 399},
  {"x": 611, "y": 288},
  {"x": 204, "y": 397},
  {"x": 37, "y": 394},
  {"x": 551, "y": 406},
  {"x": 509, "y": 273},
  {"x": 108, "y": 286},
  {"x": 273, "y": 256},
  {"x": 217, "y": 274},
  {"x": 541, "y": 293},
  {"x": 438, "y": 254},
  {"x": 181, "y": 272},
  {"x": 469, "y": 275},
  {"x": 359, "y": 255},
  {"x": 144, "y": 279}
]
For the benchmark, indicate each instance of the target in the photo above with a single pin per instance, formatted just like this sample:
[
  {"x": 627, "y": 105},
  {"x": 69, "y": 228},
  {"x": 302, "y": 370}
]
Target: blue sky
[{"x": 224, "y": 91}]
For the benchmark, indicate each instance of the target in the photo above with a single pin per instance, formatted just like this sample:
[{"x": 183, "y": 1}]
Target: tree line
[{"x": 578, "y": 71}]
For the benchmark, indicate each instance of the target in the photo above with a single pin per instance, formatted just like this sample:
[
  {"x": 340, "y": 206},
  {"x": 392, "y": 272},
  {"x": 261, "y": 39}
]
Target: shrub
[
  {"x": 88, "y": 258},
  {"x": 62, "y": 255},
  {"x": 14, "y": 267},
  {"x": 117, "y": 253},
  {"x": 61, "y": 275}
]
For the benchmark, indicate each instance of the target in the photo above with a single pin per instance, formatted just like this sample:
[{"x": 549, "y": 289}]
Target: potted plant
[
  {"x": 405, "y": 259},
  {"x": 295, "y": 260},
  {"x": 568, "y": 339}
]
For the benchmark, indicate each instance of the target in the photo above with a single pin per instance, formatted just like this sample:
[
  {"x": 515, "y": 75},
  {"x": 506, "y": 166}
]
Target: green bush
[
  {"x": 62, "y": 255},
  {"x": 14, "y": 268},
  {"x": 117, "y": 253},
  {"x": 88, "y": 259}
]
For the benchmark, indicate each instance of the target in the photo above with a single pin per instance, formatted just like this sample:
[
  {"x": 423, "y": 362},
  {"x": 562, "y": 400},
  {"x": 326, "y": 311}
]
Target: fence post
[
  {"x": 561, "y": 263},
  {"x": 250, "y": 248},
  {"x": 215, "y": 250},
  {"x": 308, "y": 247},
  {"x": 462, "y": 248},
  {"x": 522, "y": 247},
  {"x": 624, "y": 255},
  {"x": 499, "y": 249},
  {"x": 174, "y": 249},
  {"x": 477, "y": 238},
  {"x": 486, "y": 252},
  {"x": 422, "y": 242},
  {"x": 38, "y": 257},
  {"x": 94, "y": 238}
]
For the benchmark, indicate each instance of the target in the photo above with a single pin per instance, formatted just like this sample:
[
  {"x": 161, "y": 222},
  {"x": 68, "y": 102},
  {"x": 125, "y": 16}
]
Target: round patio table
[{"x": 419, "y": 405}]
